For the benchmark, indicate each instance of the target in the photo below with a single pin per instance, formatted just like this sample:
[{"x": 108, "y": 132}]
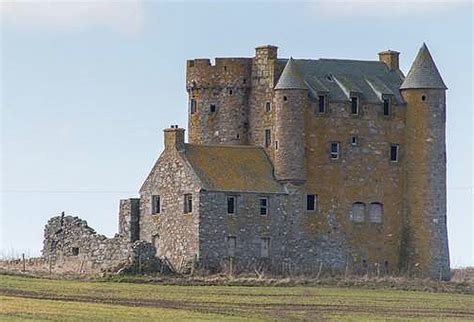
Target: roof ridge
[{"x": 240, "y": 146}]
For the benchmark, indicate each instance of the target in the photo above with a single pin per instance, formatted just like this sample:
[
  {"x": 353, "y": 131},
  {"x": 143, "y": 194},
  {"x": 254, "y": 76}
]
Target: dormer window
[
  {"x": 355, "y": 105},
  {"x": 322, "y": 104},
  {"x": 387, "y": 106}
]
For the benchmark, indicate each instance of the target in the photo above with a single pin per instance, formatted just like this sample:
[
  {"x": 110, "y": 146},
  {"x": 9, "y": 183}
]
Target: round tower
[
  {"x": 291, "y": 93},
  {"x": 425, "y": 169},
  {"x": 218, "y": 100}
]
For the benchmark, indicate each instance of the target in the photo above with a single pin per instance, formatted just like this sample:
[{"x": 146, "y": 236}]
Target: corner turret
[
  {"x": 290, "y": 95},
  {"x": 426, "y": 246}
]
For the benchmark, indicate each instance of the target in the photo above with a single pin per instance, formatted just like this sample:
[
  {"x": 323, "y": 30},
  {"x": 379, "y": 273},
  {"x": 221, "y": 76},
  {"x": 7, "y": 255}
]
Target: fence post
[{"x": 24, "y": 263}]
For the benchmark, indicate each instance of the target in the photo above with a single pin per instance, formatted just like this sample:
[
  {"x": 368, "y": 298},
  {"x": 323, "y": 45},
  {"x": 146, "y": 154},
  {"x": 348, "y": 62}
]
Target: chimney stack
[
  {"x": 390, "y": 58},
  {"x": 174, "y": 138}
]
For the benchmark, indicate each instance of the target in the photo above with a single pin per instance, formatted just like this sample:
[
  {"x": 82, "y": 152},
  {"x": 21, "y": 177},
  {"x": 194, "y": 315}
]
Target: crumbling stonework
[{"x": 72, "y": 246}]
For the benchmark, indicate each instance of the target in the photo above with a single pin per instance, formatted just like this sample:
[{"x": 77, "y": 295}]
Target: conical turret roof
[
  {"x": 291, "y": 77},
  {"x": 423, "y": 73}
]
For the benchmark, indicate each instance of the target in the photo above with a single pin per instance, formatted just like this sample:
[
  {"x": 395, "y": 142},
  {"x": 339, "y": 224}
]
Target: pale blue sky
[{"x": 87, "y": 87}]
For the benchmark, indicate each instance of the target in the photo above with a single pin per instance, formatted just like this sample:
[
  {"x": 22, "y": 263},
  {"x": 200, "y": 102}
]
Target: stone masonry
[{"x": 292, "y": 166}]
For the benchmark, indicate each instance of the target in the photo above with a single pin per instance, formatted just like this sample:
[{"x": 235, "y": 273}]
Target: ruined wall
[
  {"x": 425, "y": 188},
  {"x": 226, "y": 86},
  {"x": 129, "y": 219},
  {"x": 172, "y": 232},
  {"x": 70, "y": 245}
]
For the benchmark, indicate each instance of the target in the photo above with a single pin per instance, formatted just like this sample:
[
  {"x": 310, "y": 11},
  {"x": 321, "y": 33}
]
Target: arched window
[
  {"x": 375, "y": 212},
  {"x": 358, "y": 212}
]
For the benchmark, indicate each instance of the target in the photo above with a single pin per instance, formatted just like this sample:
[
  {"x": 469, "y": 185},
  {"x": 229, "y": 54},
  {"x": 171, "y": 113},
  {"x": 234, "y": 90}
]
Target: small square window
[
  {"x": 264, "y": 247},
  {"x": 193, "y": 106},
  {"x": 268, "y": 107},
  {"x": 75, "y": 251},
  {"x": 268, "y": 138},
  {"x": 212, "y": 108},
  {"x": 156, "y": 204},
  {"x": 231, "y": 205},
  {"x": 263, "y": 206},
  {"x": 322, "y": 104},
  {"x": 334, "y": 150},
  {"x": 354, "y": 105},
  {"x": 231, "y": 245},
  {"x": 311, "y": 202},
  {"x": 188, "y": 203},
  {"x": 394, "y": 151},
  {"x": 386, "y": 106}
]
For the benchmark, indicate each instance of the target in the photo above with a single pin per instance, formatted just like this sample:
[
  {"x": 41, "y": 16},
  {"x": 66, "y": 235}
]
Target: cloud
[
  {"x": 386, "y": 8},
  {"x": 123, "y": 16}
]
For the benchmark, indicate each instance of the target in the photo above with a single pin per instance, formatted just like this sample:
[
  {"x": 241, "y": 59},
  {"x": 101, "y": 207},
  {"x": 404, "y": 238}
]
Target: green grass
[{"x": 34, "y": 298}]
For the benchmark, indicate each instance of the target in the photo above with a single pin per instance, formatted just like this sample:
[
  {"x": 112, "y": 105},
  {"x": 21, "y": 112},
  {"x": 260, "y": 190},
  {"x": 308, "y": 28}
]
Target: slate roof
[
  {"x": 291, "y": 77},
  {"x": 423, "y": 73},
  {"x": 233, "y": 168},
  {"x": 339, "y": 78}
]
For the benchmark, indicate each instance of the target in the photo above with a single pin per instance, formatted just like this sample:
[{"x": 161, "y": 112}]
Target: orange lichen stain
[{"x": 156, "y": 219}]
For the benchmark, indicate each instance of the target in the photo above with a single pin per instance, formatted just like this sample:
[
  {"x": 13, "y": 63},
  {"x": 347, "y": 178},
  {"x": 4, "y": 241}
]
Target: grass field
[{"x": 23, "y": 298}]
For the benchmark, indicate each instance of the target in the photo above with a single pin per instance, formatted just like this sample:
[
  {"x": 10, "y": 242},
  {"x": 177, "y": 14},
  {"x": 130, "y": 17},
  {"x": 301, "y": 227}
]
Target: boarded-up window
[
  {"x": 231, "y": 245},
  {"x": 156, "y": 204},
  {"x": 375, "y": 212},
  {"x": 188, "y": 203},
  {"x": 358, "y": 212},
  {"x": 193, "y": 104},
  {"x": 264, "y": 247}
]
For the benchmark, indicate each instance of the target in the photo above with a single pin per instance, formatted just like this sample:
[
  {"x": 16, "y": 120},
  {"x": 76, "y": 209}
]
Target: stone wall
[
  {"x": 425, "y": 188},
  {"x": 226, "y": 86},
  {"x": 173, "y": 232},
  {"x": 70, "y": 245}
]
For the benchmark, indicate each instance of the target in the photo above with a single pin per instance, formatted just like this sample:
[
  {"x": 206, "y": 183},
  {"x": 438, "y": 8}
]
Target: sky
[{"x": 87, "y": 87}]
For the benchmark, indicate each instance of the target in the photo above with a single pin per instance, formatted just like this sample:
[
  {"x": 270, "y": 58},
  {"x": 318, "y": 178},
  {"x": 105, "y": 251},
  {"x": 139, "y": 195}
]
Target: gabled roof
[
  {"x": 339, "y": 77},
  {"x": 423, "y": 73},
  {"x": 232, "y": 168},
  {"x": 291, "y": 77}
]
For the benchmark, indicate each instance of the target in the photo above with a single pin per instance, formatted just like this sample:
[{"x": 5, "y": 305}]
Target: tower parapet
[
  {"x": 425, "y": 168},
  {"x": 218, "y": 100}
]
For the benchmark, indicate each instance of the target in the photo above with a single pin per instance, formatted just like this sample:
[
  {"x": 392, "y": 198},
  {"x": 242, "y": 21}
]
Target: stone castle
[{"x": 292, "y": 165}]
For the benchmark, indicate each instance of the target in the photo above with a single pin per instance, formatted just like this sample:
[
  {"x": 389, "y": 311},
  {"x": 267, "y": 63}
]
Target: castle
[{"x": 294, "y": 165}]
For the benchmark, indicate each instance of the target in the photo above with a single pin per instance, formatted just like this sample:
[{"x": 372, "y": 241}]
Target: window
[
  {"x": 355, "y": 105},
  {"x": 75, "y": 251},
  {"x": 334, "y": 150},
  {"x": 285, "y": 98},
  {"x": 212, "y": 108},
  {"x": 322, "y": 103},
  {"x": 231, "y": 205},
  {"x": 264, "y": 247},
  {"x": 354, "y": 141},
  {"x": 231, "y": 245},
  {"x": 268, "y": 107},
  {"x": 386, "y": 106},
  {"x": 394, "y": 149},
  {"x": 268, "y": 137},
  {"x": 263, "y": 206},
  {"x": 311, "y": 202},
  {"x": 188, "y": 203},
  {"x": 375, "y": 212},
  {"x": 230, "y": 92},
  {"x": 156, "y": 204},
  {"x": 358, "y": 212},
  {"x": 423, "y": 98},
  {"x": 276, "y": 145},
  {"x": 193, "y": 106}
]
